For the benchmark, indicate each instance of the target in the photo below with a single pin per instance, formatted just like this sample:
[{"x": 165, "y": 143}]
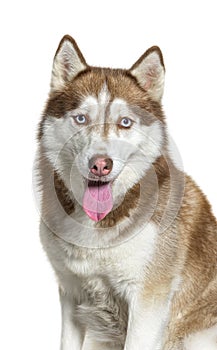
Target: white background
[{"x": 109, "y": 33}]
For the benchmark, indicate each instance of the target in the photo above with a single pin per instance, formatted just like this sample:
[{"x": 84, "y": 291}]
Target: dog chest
[{"x": 122, "y": 266}]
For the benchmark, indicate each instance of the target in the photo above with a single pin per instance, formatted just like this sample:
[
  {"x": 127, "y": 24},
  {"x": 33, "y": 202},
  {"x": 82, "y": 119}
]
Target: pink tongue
[{"x": 97, "y": 201}]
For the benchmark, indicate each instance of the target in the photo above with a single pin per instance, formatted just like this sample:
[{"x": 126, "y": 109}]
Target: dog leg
[
  {"x": 146, "y": 326},
  {"x": 72, "y": 336}
]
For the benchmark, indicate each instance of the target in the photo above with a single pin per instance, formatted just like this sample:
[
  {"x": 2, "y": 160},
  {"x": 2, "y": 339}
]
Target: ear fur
[
  {"x": 68, "y": 62},
  {"x": 149, "y": 71}
]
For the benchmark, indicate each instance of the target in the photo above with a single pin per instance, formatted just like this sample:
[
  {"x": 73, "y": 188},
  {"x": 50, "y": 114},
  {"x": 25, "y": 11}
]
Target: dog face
[{"x": 103, "y": 128}]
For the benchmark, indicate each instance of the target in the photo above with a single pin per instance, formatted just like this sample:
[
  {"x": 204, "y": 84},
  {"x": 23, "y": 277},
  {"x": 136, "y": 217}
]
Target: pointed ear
[
  {"x": 68, "y": 62},
  {"x": 149, "y": 71}
]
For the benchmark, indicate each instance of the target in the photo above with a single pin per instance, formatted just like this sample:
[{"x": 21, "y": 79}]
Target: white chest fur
[
  {"x": 124, "y": 263},
  {"x": 102, "y": 281}
]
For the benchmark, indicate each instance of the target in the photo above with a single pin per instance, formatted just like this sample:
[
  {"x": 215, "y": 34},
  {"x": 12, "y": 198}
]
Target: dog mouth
[
  {"x": 91, "y": 182},
  {"x": 97, "y": 199}
]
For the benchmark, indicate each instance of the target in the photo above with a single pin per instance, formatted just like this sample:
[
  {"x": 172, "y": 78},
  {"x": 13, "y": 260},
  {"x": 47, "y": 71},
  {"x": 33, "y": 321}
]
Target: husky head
[{"x": 103, "y": 128}]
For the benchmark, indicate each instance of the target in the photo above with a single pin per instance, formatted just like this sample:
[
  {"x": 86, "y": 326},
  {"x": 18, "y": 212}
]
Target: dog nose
[{"x": 100, "y": 166}]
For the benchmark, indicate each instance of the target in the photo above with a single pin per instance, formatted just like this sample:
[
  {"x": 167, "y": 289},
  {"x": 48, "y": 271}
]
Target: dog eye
[
  {"x": 126, "y": 122},
  {"x": 80, "y": 119}
]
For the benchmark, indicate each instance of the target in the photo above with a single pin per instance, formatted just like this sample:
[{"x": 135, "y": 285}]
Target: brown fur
[
  {"x": 123, "y": 211},
  {"x": 69, "y": 38},
  {"x": 195, "y": 304},
  {"x": 63, "y": 194},
  {"x": 150, "y": 50},
  {"x": 121, "y": 84},
  {"x": 187, "y": 245}
]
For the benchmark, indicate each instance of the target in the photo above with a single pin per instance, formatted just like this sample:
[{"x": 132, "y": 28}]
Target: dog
[{"x": 131, "y": 237}]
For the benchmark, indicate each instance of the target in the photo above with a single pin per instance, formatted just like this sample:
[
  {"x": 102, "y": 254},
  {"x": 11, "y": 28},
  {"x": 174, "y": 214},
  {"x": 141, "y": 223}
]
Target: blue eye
[
  {"x": 80, "y": 119},
  {"x": 126, "y": 122}
]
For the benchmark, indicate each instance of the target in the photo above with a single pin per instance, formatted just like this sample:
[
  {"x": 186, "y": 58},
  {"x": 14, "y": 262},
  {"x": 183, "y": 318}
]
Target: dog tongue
[{"x": 97, "y": 201}]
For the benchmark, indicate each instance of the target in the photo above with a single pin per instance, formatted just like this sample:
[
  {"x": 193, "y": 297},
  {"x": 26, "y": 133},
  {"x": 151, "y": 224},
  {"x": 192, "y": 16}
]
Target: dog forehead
[
  {"x": 96, "y": 105},
  {"x": 101, "y": 99},
  {"x": 106, "y": 84},
  {"x": 119, "y": 106},
  {"x": 104, "y": 96},
  {"x": 104, "y": 105}
]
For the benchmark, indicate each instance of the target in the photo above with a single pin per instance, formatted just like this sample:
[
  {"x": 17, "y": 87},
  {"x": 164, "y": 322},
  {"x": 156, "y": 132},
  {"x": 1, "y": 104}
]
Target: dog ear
[
  {"x": 149, "y": 71},
  {"x": 68, "y": 62}
]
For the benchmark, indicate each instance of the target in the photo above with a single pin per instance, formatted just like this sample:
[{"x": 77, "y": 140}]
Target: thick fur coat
[{"x": 136, "y": 269}]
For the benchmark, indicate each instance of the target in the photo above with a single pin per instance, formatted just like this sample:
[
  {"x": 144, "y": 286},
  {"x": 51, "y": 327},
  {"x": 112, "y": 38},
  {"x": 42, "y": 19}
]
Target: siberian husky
[{"x": 131, "y": 237}]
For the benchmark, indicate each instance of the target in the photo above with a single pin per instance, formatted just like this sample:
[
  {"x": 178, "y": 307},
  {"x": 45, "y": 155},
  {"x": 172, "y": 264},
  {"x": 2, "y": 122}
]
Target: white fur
[
  {"x": 133, "y": 151},
  {"x": 71, "y": 337},
  {"x": 102, "y": 272},
  {"x": 174, "y": 154},
  {"x": 66, "y": 65},
  {"x": 203, "y": 340},
  {"x": 150, "y": 74},
  {"x": 120, "y": 268},
  {"x": 146, "y": 326}
]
